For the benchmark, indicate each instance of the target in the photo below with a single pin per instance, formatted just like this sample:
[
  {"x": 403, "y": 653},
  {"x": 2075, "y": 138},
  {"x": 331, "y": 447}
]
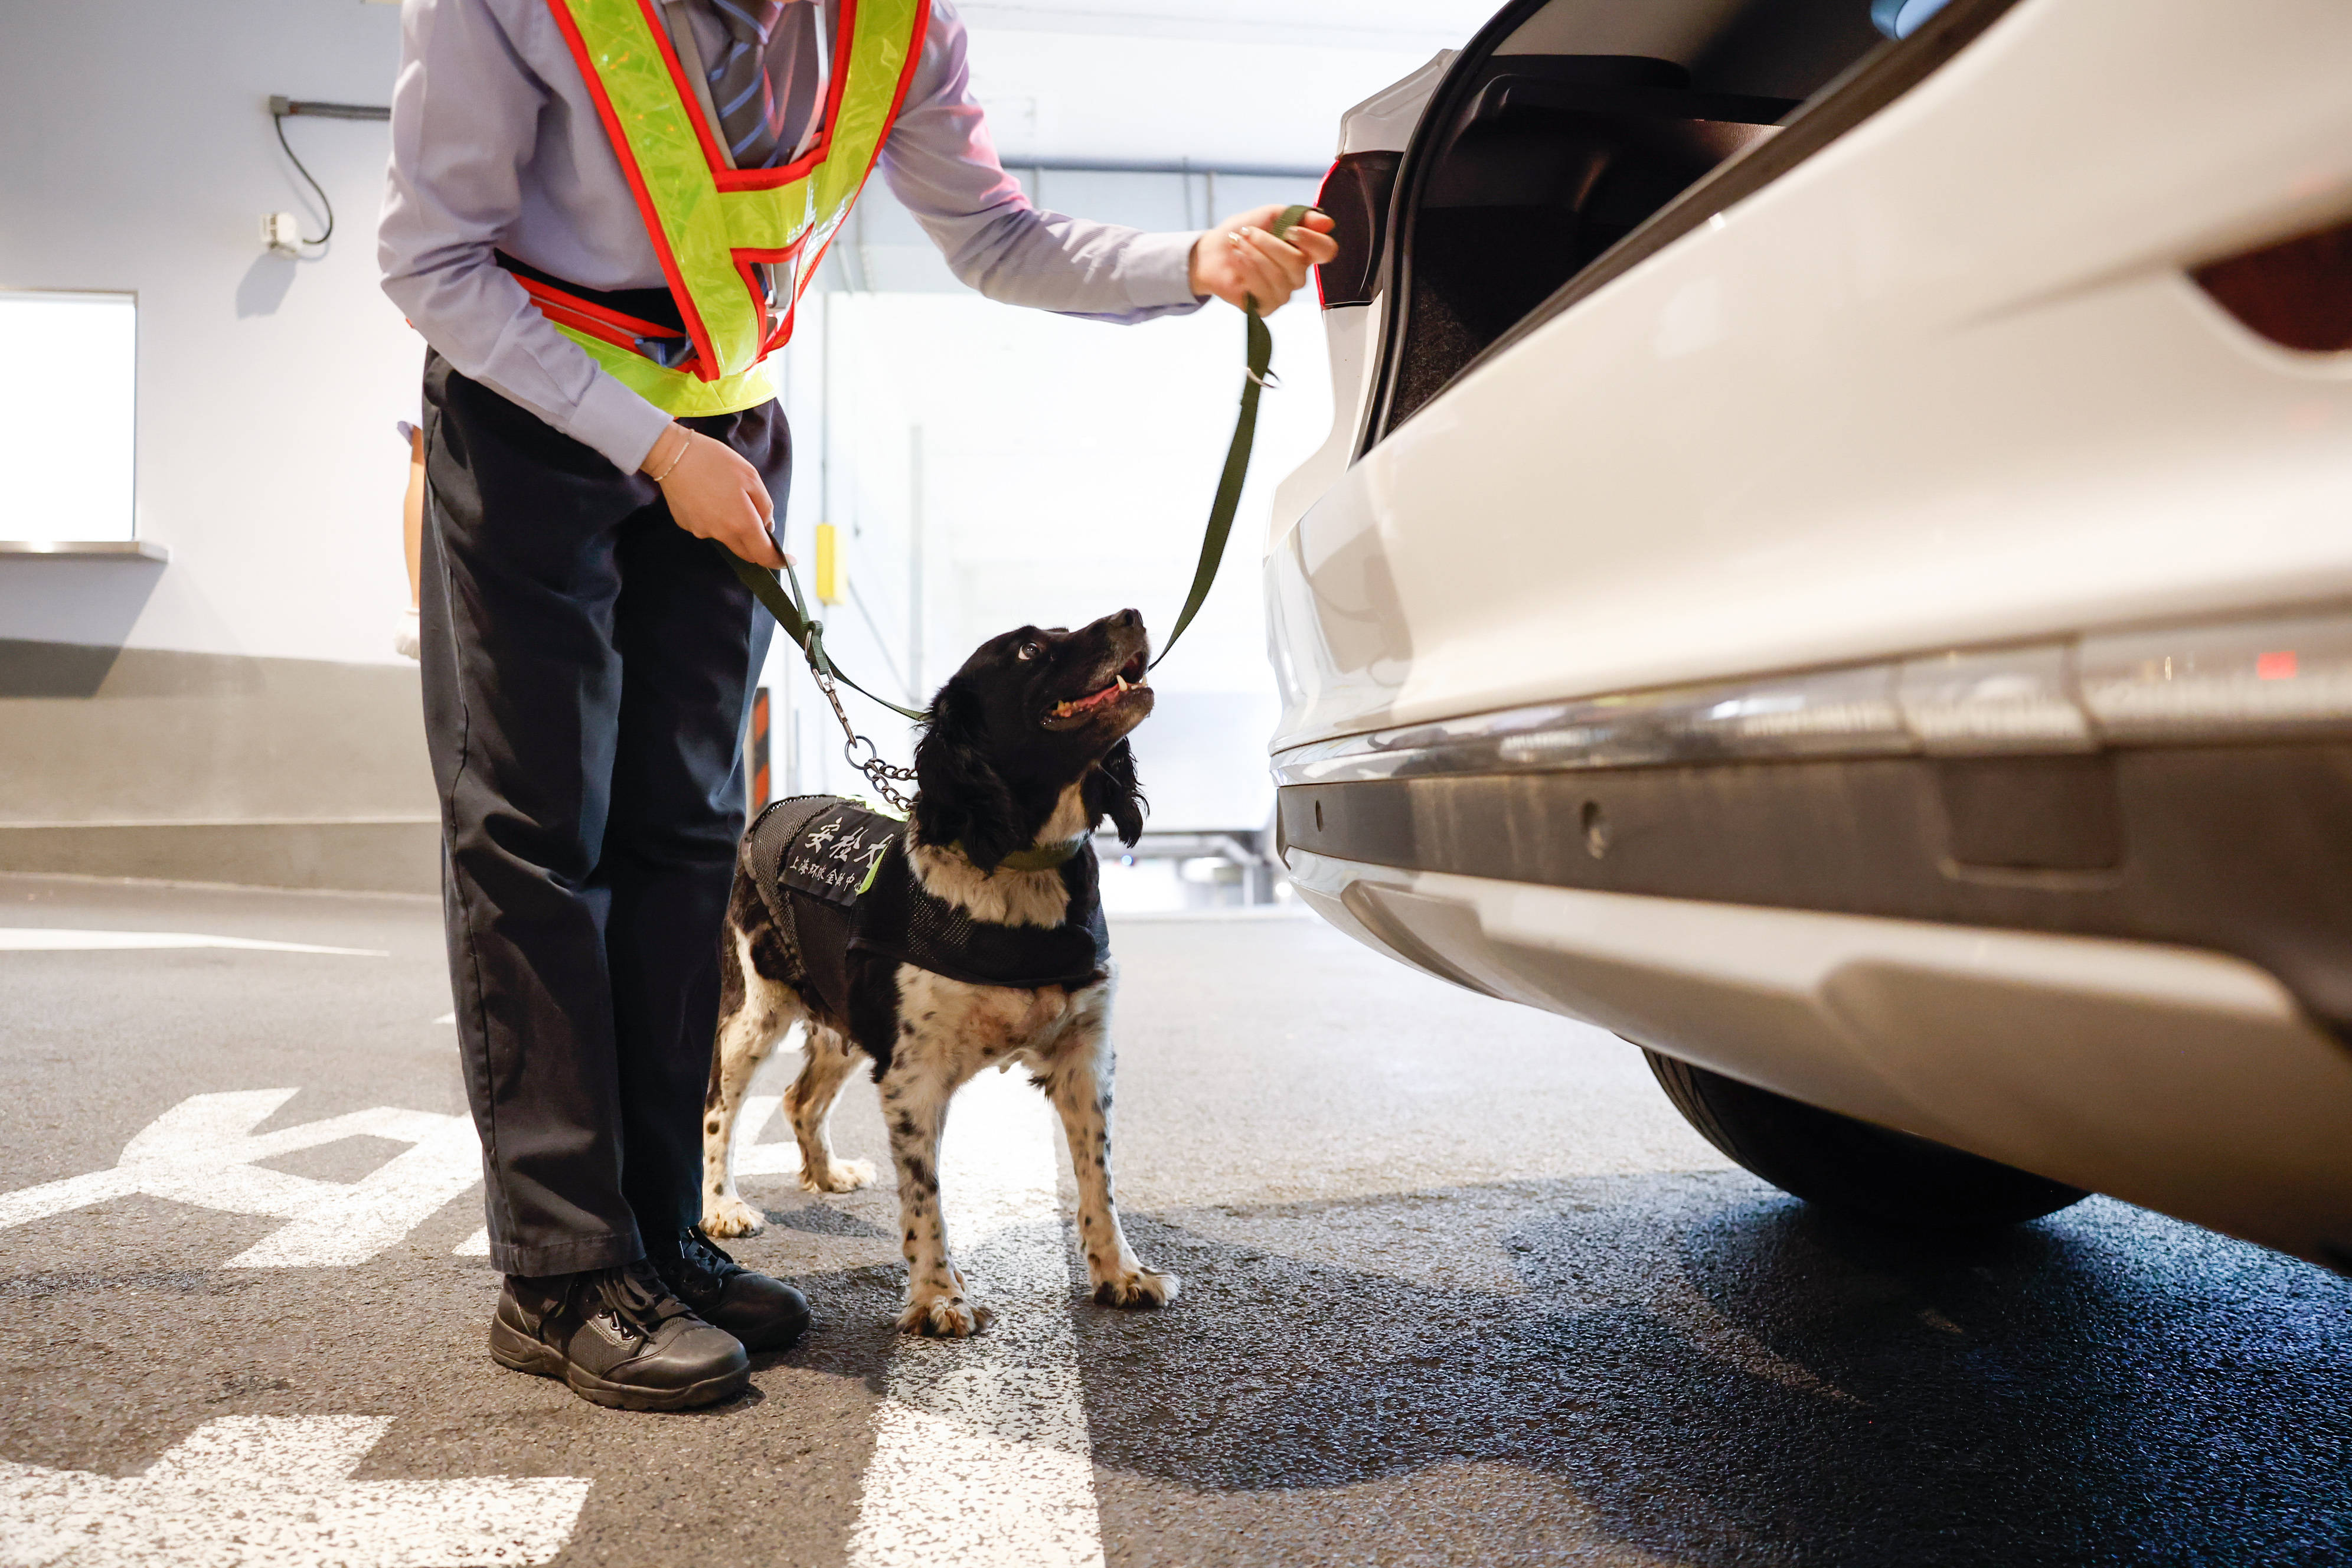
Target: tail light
[
  {"x": 2298, "y": 293},
  {"x": 1356, "y": 194}
]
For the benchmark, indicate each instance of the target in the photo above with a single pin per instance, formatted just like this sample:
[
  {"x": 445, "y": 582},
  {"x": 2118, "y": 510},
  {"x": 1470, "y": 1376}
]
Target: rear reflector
[{"x": 2297, "y": 294}]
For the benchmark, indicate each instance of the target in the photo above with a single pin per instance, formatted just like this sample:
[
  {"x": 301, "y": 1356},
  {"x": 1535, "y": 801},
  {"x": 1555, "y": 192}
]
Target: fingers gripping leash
[{"x": 1257, "y": 367}]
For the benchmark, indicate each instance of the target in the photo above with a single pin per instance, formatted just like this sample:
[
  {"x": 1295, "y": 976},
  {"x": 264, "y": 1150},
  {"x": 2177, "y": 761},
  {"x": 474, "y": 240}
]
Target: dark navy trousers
[{"x": 588, "y": 672}]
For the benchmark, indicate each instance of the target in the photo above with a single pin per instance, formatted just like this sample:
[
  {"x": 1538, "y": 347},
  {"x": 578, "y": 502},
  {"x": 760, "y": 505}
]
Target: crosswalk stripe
[
  {"x": 275, "y": 1491},
  {"x": 981, "y": 1450}
]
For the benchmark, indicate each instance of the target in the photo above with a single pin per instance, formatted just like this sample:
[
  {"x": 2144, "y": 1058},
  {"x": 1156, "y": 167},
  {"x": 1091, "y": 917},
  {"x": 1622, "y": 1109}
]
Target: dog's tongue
[{"x": 1092, "y": 698}]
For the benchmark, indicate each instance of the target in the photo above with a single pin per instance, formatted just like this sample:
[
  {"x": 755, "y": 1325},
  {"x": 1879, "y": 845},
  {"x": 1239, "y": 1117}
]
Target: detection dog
[{"x": 969, "y": 936}]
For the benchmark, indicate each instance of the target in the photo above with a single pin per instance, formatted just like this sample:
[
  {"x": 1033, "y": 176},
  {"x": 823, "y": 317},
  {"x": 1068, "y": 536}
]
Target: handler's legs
[
  {"x": 523, "y": 696},
  {"x": 587, "y": 672},
  {"x": 692, "y": 640},
  {"x": 689, "y": 645}
]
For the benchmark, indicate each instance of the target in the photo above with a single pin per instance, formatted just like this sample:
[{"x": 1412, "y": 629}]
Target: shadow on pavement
[{"x": 1703, "y": 1371}]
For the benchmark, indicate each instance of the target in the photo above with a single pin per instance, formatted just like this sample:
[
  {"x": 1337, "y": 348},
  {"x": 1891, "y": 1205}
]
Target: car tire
[{"x": 1854, "y": 1167}]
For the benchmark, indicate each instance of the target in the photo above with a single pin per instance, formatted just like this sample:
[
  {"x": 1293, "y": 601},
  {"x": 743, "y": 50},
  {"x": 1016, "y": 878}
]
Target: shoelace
[
  {"x": 707, "y": 1256},
  {"x": 635, "y": 1299}
]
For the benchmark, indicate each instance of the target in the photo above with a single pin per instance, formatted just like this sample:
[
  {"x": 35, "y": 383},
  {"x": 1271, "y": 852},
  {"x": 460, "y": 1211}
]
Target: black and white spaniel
[{"x": 969, "y": 936}]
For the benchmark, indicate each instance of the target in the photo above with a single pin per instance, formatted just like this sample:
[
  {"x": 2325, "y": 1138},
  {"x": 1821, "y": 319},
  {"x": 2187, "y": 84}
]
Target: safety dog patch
[{"x": 834, "y": 857}]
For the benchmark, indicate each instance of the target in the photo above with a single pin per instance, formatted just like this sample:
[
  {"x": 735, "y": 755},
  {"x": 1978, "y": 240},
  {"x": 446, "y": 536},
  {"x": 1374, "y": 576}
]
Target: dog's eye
[{"x": 1027, "y": 650}]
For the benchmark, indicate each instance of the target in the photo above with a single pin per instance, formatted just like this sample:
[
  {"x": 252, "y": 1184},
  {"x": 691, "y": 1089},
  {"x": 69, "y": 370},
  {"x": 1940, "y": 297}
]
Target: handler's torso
[{"x": 746, "y": 132}]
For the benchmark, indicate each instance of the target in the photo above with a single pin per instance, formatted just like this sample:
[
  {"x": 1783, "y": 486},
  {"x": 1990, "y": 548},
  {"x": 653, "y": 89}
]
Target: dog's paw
[
  {"x": 731, "y": 1215},
  {"x": 945, "y": 1318},
  {"x": 845, "y": 1176},
  {"x": 1139, "y": 1287}
]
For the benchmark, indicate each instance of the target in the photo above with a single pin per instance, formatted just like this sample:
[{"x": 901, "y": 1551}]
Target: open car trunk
[{"x": 1551, "y": 140}]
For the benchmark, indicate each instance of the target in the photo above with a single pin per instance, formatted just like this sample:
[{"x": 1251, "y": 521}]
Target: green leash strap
[
  {"x": 1260, "y": 357},
  {"x": 807, "y": 635}
]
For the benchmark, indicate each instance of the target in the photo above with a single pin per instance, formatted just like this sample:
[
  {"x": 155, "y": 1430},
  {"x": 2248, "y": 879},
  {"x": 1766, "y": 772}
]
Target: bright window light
[{"x": 69, "y": 380}]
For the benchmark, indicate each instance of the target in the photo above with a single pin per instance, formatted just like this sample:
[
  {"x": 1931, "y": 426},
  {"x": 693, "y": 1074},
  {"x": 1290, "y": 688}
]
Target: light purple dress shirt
[{"x": 496, "y": 145}]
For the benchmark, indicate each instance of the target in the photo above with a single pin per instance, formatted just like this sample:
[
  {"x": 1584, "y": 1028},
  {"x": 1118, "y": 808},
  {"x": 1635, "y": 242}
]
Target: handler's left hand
[{"x": 1239, "y": 257}]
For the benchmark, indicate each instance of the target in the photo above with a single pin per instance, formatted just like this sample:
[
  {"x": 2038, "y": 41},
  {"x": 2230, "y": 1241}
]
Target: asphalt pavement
[{"x": 1459, "y": 1287}]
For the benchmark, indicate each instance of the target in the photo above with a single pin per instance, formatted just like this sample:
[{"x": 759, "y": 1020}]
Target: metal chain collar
[{"x": 884, "y": 777}]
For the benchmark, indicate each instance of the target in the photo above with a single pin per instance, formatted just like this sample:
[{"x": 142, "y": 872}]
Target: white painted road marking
[
  {"x": 41, "y": 938},
  {"x": 202, "y": 1151},
  {"x": 981, "y": 1450},
  {"x": 982, "y": 1453},
  {"x": 265, "y": 1491},
  {"x": 754, "y": 1159}
]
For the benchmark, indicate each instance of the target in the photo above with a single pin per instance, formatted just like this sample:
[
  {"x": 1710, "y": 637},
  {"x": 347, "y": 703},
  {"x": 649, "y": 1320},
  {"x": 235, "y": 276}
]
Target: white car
[{"x": 1835, "y": 562}]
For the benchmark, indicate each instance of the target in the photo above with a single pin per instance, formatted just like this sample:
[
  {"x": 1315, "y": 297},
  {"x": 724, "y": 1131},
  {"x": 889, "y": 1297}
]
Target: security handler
[{"x": 600, "y": 214}]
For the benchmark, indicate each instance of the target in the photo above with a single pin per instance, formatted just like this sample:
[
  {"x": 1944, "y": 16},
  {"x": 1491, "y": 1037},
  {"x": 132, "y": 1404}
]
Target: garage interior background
[{"x": 220, "y": 701}]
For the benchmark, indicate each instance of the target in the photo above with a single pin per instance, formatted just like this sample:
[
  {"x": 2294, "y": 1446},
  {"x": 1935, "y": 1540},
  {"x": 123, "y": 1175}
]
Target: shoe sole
[{"x": 518, "y": 1351}]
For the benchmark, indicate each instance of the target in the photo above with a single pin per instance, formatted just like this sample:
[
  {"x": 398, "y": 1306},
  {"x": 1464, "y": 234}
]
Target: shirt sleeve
[
  {"x": 465, "y": 119},
  {"x": 943, "y": 169}
]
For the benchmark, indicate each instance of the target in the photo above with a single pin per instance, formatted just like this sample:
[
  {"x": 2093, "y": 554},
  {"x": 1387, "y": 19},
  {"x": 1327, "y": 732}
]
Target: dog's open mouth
[{"x": 1128, "y": 678}]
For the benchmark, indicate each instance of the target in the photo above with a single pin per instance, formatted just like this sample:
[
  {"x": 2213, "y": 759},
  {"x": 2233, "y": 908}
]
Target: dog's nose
[{"x": 1129, "y": 618}]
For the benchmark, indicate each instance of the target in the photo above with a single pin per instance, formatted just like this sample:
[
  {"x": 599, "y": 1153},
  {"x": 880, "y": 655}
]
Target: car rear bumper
[
  {"x": 2190, "y": 1082},
  {"x": 2237, "y": 849}
]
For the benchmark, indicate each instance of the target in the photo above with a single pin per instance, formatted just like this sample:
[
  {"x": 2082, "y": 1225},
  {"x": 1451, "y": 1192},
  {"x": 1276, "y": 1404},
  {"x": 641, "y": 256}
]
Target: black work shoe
[
  {"x": 766, "y": 1314},
  {"x": 619, "y": 1338}
]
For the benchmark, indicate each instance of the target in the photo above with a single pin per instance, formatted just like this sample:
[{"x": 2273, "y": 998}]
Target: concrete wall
[
  {"x": 140, "y": 157},
  {"x": 237, "y": 715},
  {"x": 214, "y": 768}
]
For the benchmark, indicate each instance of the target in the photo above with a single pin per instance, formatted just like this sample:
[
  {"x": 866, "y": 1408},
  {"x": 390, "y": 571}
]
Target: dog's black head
[{"x": 1031, "y": 713}]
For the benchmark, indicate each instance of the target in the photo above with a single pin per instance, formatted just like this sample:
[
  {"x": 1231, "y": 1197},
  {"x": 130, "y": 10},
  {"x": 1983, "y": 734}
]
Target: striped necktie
[{"x": 766, "y": 81}]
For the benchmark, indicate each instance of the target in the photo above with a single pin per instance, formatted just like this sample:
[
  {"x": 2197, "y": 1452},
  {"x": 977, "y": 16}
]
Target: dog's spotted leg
[
  {"x": 754, "y": 1013},
  {"x": 1079, "y": 1083},
  {"x": 915, "y": 1094},
  {"x": 809, "y": 1104}
]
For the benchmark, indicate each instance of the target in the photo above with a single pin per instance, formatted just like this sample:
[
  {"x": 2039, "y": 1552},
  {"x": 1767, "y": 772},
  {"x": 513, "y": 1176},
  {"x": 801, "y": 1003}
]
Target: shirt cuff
[
  {"x": 617, "y": 423},
  {"x": 1159, "y": 269}
]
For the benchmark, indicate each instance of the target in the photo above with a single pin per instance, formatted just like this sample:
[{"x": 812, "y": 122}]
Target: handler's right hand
[{"x": 713, "y": 493}]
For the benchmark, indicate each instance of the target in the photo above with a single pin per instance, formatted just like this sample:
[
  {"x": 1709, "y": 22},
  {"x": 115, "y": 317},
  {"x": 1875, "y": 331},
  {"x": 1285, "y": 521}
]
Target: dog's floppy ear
[
  {"x": 1112, "y": 791},
  {"x": 960, "y": 798}
]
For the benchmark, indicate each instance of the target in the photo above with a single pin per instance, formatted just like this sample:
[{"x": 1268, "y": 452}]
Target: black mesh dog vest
[{"x": 835, "y": 877}]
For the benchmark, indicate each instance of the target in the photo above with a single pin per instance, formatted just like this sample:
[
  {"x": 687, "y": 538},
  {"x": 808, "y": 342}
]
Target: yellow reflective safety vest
[{"x": 712, "y": 225}]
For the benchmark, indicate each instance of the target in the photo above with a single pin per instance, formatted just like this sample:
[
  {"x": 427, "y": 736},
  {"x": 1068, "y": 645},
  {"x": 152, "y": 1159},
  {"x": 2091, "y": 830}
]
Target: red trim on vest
[
  {"x": 706, "y": 355},
  {"x": 601, "y": 322},
  {"x": 579, "y": 320},
  {"x": 547, "y": 295},
  {"x": 906, "y": 81},
  {"x": 782, "y": 332}
]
